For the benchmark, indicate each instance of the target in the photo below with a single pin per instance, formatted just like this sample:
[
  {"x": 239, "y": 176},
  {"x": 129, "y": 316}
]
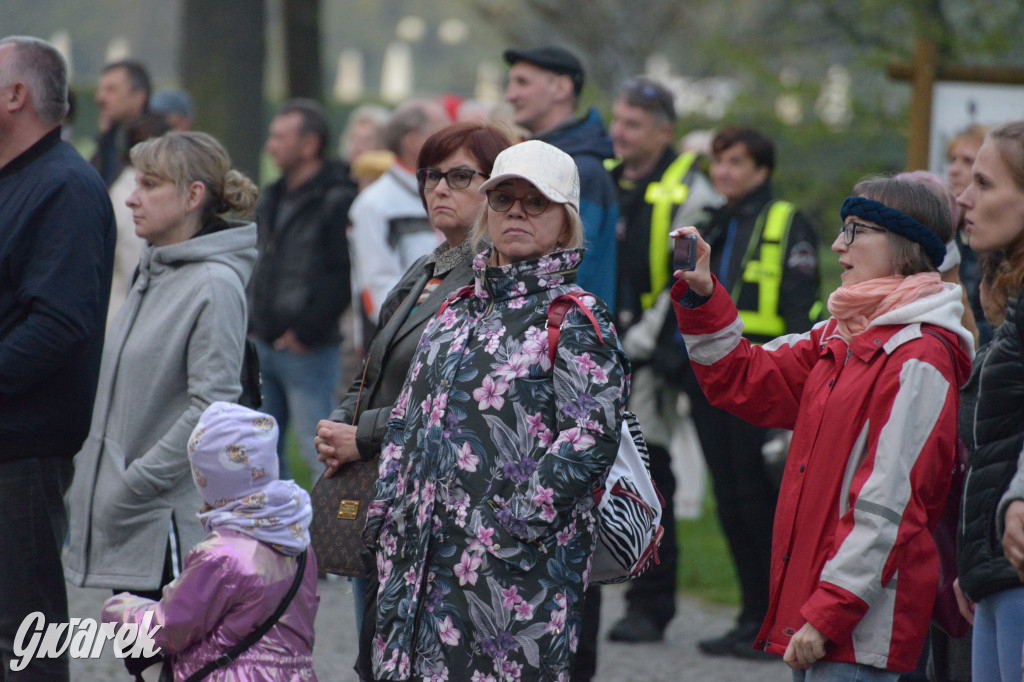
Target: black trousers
[
  {"x": 584, "y": 666},
  {"x": 746, "y": 497},
  {"x": 368, "y": 628},
  {"x": 35, "y": 524}
]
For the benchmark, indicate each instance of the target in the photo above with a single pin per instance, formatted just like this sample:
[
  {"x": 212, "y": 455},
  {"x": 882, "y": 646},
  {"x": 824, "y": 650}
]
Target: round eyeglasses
[
  {"x": 502, "y": 200},
  {"x": 456, "y": 178},
  {"x": 849, "y": 230}
]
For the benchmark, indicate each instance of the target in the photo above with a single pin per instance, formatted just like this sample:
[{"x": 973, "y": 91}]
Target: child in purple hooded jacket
[{"x": 237, "y": 576}]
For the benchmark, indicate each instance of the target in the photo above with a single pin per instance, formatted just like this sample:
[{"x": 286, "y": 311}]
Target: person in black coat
[
  {"x": 989, "y": 587},
  {"x": 301, "y": 283}
]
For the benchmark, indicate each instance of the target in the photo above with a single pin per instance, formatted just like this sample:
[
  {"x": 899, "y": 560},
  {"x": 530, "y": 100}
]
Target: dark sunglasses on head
[
  {"x": 456, "y": 178},
  {"x": 502, "y": 200},
  {"x": 655, "y": 98}
]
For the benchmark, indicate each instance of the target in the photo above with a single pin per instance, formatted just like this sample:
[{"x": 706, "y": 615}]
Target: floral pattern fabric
[{"x": 483, "y": 522}]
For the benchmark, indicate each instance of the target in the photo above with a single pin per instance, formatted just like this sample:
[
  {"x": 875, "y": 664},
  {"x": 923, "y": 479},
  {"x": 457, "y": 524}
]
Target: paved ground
[{"x": 677, "y": 658}]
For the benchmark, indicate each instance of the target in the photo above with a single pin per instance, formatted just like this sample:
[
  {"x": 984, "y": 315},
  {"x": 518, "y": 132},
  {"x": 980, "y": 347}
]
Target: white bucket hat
[{"x": 547, "y": 168}]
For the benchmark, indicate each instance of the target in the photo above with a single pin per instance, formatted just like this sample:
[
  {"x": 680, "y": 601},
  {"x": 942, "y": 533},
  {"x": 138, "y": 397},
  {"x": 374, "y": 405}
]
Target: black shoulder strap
[
  {"x": 251, "y": 380},
  {"x": 225, "y": 659}
]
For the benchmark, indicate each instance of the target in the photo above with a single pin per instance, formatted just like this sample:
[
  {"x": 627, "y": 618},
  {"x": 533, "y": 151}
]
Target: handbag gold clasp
[{"x": 348, "y": 510}]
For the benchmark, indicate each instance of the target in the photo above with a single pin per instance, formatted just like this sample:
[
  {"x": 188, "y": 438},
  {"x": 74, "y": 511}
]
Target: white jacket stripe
[
  {"x": 878, "y": 511},
  {"x": 707, "y": 349}
]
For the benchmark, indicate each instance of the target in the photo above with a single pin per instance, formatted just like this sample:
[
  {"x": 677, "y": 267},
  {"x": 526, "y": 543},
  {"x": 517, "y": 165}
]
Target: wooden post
[
  {"x": 925, "y": 62},
  {"x": 922, "y": 73}
]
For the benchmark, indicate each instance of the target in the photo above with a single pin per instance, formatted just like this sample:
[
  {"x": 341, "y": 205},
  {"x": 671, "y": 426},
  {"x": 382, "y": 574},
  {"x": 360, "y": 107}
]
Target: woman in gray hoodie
[{"x": 175, "y": 347}]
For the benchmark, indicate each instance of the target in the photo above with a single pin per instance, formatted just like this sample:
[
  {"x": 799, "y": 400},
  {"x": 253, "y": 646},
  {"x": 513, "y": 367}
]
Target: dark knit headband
[{"x": 897, "y": 222}]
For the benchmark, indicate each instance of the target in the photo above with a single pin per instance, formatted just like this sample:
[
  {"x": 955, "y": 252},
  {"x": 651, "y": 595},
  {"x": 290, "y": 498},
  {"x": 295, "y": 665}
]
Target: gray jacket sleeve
[{"x": 373, "y": 424}]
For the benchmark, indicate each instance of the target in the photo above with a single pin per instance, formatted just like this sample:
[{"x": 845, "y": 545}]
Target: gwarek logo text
[{"x": 81, "y": 638}]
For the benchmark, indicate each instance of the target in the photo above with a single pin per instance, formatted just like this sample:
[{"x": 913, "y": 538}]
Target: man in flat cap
[{"x": 544, "y": 84}]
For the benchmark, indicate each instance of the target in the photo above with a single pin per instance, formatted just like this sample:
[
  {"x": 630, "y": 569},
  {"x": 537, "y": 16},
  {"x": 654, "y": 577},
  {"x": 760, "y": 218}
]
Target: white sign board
[{"x": 957, "y": 105}]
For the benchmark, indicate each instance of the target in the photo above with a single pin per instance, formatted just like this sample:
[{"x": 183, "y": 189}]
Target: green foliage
[{"x": 297, "y": 467}]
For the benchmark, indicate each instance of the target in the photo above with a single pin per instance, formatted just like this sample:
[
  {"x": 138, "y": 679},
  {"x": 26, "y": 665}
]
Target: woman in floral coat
[{"x": 483, "y": 522}]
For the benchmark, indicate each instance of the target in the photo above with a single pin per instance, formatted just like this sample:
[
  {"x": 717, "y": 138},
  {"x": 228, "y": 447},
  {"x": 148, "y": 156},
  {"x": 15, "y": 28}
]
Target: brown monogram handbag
[
  {"x": 339, "y": 515},
  {"x": 339, "y": 512}
]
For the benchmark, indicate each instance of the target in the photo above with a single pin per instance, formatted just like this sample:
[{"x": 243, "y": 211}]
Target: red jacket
[{"x": 874, "y": 436}]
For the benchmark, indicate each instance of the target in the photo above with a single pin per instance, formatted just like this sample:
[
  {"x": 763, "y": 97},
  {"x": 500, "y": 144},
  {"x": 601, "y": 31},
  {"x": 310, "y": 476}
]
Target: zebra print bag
[
  {"x": 629, "y": 505},
  {"x": 628, "y": 512}
]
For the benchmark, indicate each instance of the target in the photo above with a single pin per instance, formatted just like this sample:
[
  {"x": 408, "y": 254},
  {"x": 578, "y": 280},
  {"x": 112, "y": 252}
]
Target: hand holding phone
[{"x": 685, "y": 254}]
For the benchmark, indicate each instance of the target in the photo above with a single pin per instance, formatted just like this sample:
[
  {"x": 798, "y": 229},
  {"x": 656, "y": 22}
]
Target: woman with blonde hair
[
  {"x": 960, "y": 153},
  {"x": 175, "y": 347}
]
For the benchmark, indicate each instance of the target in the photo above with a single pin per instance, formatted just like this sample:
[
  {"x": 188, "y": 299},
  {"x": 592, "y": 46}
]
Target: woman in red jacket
[{"x": 871, "y": 396}]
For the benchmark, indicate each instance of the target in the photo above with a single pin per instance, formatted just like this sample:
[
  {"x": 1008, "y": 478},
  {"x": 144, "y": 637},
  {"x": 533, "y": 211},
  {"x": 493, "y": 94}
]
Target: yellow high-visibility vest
[
  {"x": 663, "y": 196},
  {"x": 768, "y": 242}
]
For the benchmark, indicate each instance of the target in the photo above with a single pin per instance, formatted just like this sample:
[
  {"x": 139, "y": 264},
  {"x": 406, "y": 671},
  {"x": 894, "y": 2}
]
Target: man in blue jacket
[
  {"x": 56, "y": 258},
  {"x": 544, "y": 84}
]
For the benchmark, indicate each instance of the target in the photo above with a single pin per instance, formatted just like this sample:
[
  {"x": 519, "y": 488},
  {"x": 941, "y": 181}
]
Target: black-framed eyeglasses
[
  {"x": 849, "y": 230},
  {"x": 456, "y": 178},
  {"x": 502, "y": 200}
]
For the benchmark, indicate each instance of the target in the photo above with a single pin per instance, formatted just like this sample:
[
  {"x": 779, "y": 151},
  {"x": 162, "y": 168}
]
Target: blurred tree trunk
[
  {"x": 302, "y": 48},
  {"x": 222, "y": 47}
]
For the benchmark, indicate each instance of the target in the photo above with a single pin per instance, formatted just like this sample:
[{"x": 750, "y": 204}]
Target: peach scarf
[{"x": 855, "y": 306}]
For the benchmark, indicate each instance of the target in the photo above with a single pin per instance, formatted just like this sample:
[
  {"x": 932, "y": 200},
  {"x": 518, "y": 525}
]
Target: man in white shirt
[{"x": 390, "y": 229}]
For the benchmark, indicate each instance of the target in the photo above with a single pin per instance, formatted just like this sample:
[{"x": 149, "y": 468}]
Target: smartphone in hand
[{"x": 685, "y": 254}]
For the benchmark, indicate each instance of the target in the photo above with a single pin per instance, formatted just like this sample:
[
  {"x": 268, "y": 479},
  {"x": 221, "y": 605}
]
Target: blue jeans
[
  {"x": 34, "y": 525},
  {"x": 998, "y": 636},
  {"x": 835, "y": 671},
  {"x": 298, "y": 389}
]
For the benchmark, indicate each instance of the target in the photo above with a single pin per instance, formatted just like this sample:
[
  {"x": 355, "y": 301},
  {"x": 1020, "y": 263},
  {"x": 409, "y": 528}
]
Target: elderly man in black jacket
[{"x": 301, "y": 284}]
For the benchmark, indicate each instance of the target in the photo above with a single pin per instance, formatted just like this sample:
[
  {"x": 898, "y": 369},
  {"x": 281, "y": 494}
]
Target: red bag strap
[
  {"x": 556, "y": 312},
  {"x": 557, "y": 309},
  {"x": 464, "y": 292}
]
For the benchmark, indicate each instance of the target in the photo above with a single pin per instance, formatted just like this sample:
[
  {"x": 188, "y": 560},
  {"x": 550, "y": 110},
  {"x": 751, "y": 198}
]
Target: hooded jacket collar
[
  {"x": 515, "y": 280},
  {"x": 578, "y": 136},
  {"x": 888, "y": 332},
  {"x": 944, "y": 309},
  {"x": 234, "y": 247}
]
